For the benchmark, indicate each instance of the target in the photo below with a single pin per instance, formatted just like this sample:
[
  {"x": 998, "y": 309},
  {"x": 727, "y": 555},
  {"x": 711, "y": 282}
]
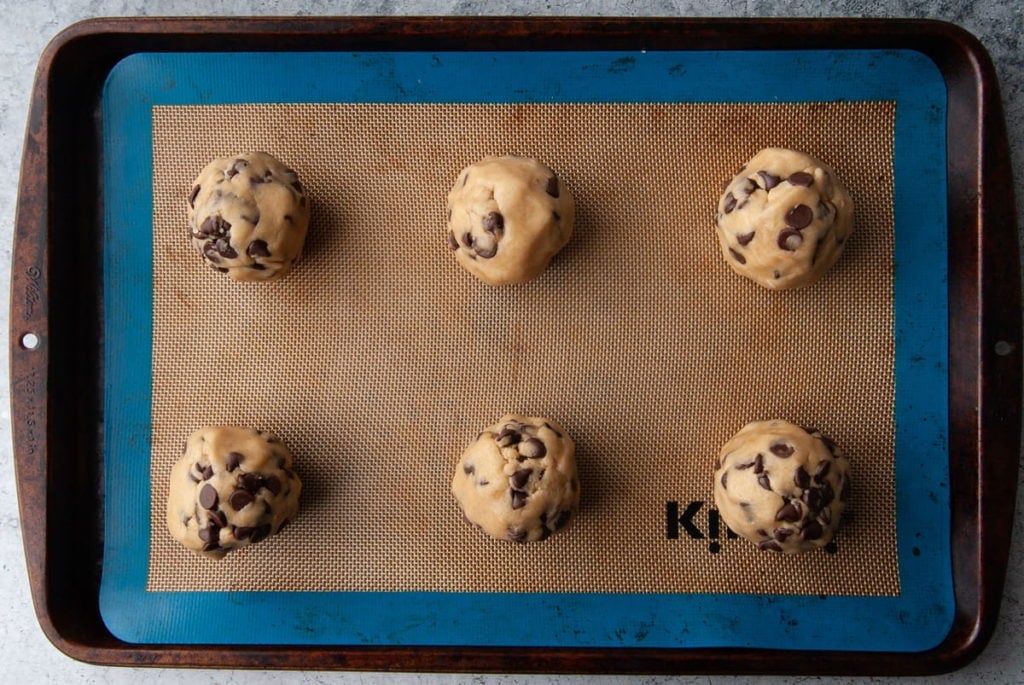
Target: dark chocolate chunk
[
  {"x": 745, "y": 238},
  {"x": 782, "y": 450},
  {"x": 768, "y": 179},
  {"x": 493, "y": 222},
  {"x": 272, "y": 483},
  {"x": 208, "y": 497},
  {"x": 250, "y": 481},
  {"x": 801, "y": 178},
  {"x": 192, "y": 197},
  {"x": 552, "y": 187},
  {"x": 258, "y": 248},
  {"x": 214, "y": 227},
  {"x": 520, "y": 478},
  {"x": 519, "y": 499},
  {"x": 790, "y": 239},
  {"x": 799, "y": 217},
  {"x": 737, "y": 256}
]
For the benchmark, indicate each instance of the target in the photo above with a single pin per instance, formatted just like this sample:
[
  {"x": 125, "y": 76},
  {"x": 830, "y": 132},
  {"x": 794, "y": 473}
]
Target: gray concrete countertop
[{"x": 28, "y": 26}]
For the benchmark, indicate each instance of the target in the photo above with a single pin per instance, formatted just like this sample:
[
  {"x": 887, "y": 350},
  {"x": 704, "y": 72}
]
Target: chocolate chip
[
  {"x": 493, "y": 222},
  {"x": 239, "y": 499},
  {"x": 297, "y": 186},
  {"x": 468, "y": 469},
  {"x": 208, "y": 497},
  {"x": 532, "y": 448},
  {"x": 214, "y": 227},
  {"x": 812, "y": 498},
  {"x": 799, "y": 217},
  {"x": 520, "y": 478},
  {"x": 467, "y": 239},
  {"x": 519, "y": 499},
  {"x": 768, "y": 179},
  {"x": 452, "y": 242},
  {"x": 465, "y": 178},
  {"x": 258, "y": 248},
  {"x": 486, "y": 249},
  {"x": 789, "y": 513},
  {"x": 224, "y": 249},
  {"x": 192, "y": 476},
  {"x": 261, "y": 533},
  {"x": 555, "y": 215},
  {"x": 257, "y": 267},
  {"x": 252, "y": 219},
  {"x": 782, "y": 450},
  {"x": 242, "y": 532},
  {"x": 827, "y": 494},
  {"x": 801, "y": 478},
  {"x": 730, "y": 203},
  {"x": 824, "y": 209},
  {"x": 744, "y": 467},
  {"x": 207, "y": 472},
  {"x": 563, "y": 518},
  {"x": 790, "y": 240},
  {"x": 272, "y": 483},
  {"x": 725, "y": 477},
  {"x": 250, "y": 481},
  {"x": 759, "y": 463},
  {"x": 801, "y": 178},
  {"x": 825, "y": 516},
  {"x": 517, "y": 535},
  {"x": 508, "y": 437},
  {"x": 745, "y": 238},
  {"x": 552, "y": 187},
  {"x": 812, "y": 531},
  {"x": 737, "y": 256},
  {"x": 233, "y": 460},
  {"x": 782, "y": 534},
  {"x": 823, "y": 468},
  {"x": 829, "y": 443},
  {"x": 760, "y": 531},
  {"x": 482, "y": 482},
  {"x": 776, "y": 275},
  {"x": 219, "y": 517},
  {"x": 552, "y": 429},
  {"x": 210, "y": 252},
  {"x": 192, "y": 197},
  {"x": 769, "y": 545},
  {"x": 209, "y": 534},
  {"x": 763, "y": 481}
]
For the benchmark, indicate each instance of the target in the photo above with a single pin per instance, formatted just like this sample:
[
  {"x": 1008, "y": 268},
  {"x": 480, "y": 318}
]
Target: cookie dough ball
[
  {"x": 518, "y": 480},
  {"x": 232, "y": 487},
  {"x": 782, "y": 486},
  {"x": 248, "y": 216},
  {"x": 507, "y": 217},
  {"x": 783, "y": 220}
]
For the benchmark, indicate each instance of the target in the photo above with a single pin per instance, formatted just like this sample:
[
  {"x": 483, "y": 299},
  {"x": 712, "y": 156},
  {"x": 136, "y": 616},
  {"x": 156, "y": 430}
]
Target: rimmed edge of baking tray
[{"x": 56, "y": 387}]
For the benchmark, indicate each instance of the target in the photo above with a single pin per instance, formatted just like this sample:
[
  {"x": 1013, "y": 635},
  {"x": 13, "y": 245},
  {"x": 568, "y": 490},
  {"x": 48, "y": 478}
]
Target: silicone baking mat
[{"x": 378, "y": 359}]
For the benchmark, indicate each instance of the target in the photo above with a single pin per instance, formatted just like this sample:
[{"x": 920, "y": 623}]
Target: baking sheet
[{"x": 580, "y": 618}]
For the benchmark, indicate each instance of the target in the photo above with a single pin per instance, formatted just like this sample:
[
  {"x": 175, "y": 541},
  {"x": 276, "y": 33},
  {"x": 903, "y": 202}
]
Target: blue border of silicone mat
[{"x": 917, "y": 619}]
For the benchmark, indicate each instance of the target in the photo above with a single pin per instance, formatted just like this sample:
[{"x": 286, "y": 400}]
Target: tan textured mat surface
[{"x": 378, "y": 359}]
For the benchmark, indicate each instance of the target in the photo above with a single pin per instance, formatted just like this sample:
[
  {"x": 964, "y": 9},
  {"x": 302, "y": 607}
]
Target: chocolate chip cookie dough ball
[
  {"x": 232, "y": 487},
  {"x": 783, "y": 220},
  {"x": 782, "y": 486},
  {"x": 507, "y": 217},
  {"x": 248, "y": 216},
  {"x": 518, "y": 480}
]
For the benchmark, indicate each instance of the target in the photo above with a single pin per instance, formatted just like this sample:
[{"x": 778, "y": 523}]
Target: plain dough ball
[
  {"x": 518, "y": 480},
  {"x": 248, "y": 216},
  {"x": 507, "y": 217},
  {"x": 232, "y": 487},
  {"x": 784, "y": 219},
  {"x": 782, "y": 486}
]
